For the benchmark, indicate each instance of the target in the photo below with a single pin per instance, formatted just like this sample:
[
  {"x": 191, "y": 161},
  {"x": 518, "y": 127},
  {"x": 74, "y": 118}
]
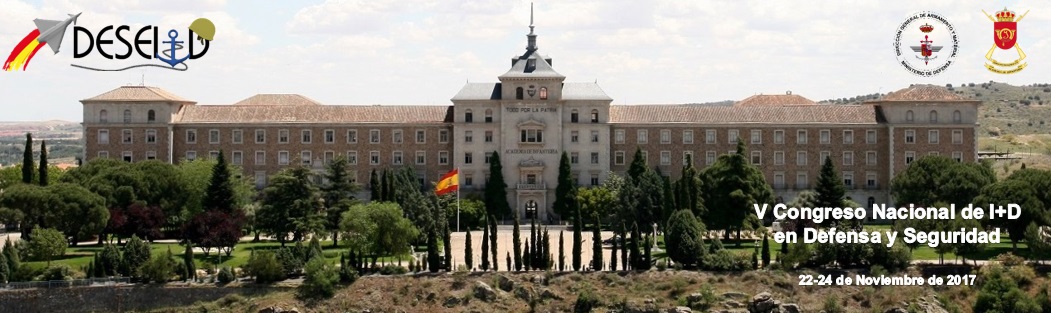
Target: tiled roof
[
  {"x": 808, "y": 114},
  {"x": 277, "y": 99},
  {"x": 786, "y": 99},
  {"x": 923, "y": 93},
  {"x": 583, "y": 91},
  {"x": 137, "y": 94},
  {"x": 479, "y": 91},
  {"x": 316, "y": 114}
]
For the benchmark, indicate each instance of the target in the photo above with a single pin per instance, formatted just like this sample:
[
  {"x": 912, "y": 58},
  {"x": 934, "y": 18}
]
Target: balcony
[{"x": 538, "y": 186}]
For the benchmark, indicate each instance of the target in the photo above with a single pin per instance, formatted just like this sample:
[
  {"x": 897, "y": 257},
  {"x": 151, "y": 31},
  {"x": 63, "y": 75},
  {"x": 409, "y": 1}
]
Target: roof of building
[
  {"x": 531, "y": 65},
  {"x": 255, "y": 114},
  {"x": 810, "y": 114},
  {"x": 277, "y": 99},
  {"x": 136, "y": 94},
  {"x": 479, "y": 91},
  {"x": 583, "y": 91},
  {"x": 785, "y": 99},
  {"x": 922, "y": 92}
]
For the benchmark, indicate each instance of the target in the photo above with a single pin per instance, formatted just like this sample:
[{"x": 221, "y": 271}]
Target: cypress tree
[
  {"x": 638, "y": 166},
  {"x": 508, "y": 261},
  {"x": 528, "y": 257},
  {"x": 468, "y": 253},
  {"x": 548, "y": 262},
  {"x": 6, "y": 274},
  {"x": 766, "y": 251},
  {"x": 433, "y": 262},
  {"x": 492, "y": 243},
  {"x": 596, "y": 246},
  {"x": 561, "y": 252},
  {"x": 830, "y": 190},
  {"x": 11, "y": 256},
  {"x": 220, "y": 193},
  {"x": 375, "y": 189},
  {"x": 99, "y": 271},
  {"x": 191, "y": 268},
  {"x": 27, "y": 160},
  {"x": 533, "y": 253},
  {"x": 517, "y": 242},
  {"x": 43, "y": 164},
  {"x": 623, "y": 251},
  {"x": 448, "y": 246},
  {"x": 613, "y": 255},
  {"x": 636, "y": 258},
  {"x": 647, "y": 258},
  {"x": 577, "y": 238},
  {"x": 564, "y": 190},
  {"x": 388, "y": 184},
  {"x": 755, "y": 257},
  {"x": 496, "y": 189},
  {"x": 485, "y": 244}
]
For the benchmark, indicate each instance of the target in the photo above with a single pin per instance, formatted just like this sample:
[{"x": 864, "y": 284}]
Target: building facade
[{"x": 531, "y": 116}]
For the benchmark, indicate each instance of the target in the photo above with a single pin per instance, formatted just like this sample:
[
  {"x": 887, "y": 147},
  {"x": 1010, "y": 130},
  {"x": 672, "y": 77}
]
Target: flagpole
[{"x": 457, "y": 199}]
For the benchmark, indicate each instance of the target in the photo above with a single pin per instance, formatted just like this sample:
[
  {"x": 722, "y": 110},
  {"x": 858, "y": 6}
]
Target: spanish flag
[{"x": 450, "y": 182}]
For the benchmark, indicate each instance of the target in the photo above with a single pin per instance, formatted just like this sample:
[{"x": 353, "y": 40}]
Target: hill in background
[{"x": 63, "y": 141}]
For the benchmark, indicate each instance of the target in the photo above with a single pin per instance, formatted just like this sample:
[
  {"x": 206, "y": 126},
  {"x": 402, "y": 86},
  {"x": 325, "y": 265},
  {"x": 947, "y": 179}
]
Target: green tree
[
  {"x": 830, "y": 190},
  {"x": 189, "y": 265},
  {"x": 1016, "y": 192},
  {"x": 159, "y": 268},
  {"x": 496, "y": 189},
  {"x": 375, "y": 189},
  {"x": 378, "y": 228},
  {"x": 110, "y": 260},
  {"x": 766, "y": 250},
  {"x": 47, "y": 243},
  {"x": 75, "y": 211},
  {"x": 27, "y": 160},
  {"x": 492, "y": 243},
  {"x": 638, "y": 165},
  {"x": 734, "y": 185},
  {"x": 292, "y": 204},
  {"x": 5, "y": 273},
  {"x": 517, "y": 242},
  {"x": 485, "y": 244},
  {"x": 1038, "y": 242},
  {"x": 684, "y": 239},
  {"x": 561, "y": 252},
  {"x": 136, "y": 253},
  {"x": 220, "y": 192},
  {"x": 595, "y": 201},
  {"x": 613, "y": 255},
  {"x": 43, "y": 164},
  {"x": 11, "y": 257},
  {"x": 635, "y": 257},
  {"x": 578, "y": 226},
  {"x": 596, "y": 246},
  {"x": 321, "y": 279},
  {"x": 689, "y": 195},
  {"x": 468, "y": 251},
  {"x": 938, "y": 178},
  {"x": 565, "y": 188},
  {"x": 221, "y": 223},
  {"x": 338, "y": 195}
]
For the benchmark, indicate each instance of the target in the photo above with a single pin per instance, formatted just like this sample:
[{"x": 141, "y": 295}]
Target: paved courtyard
[{"x": 504, "y": 246}]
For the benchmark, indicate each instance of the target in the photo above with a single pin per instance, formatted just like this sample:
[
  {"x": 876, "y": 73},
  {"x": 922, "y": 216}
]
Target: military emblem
[
  {"x": 1005, "y": 37},
  {"x": 931, "y": 33}
]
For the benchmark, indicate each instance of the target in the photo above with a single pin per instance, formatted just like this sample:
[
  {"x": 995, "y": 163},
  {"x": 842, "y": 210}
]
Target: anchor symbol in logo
[{"x": 175, "y": 44}]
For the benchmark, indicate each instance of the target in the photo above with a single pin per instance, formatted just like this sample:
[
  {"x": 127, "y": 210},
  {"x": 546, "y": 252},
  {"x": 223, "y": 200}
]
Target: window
[
  {"x": 468, "y": 136},
  {"x": 103, "y": 154},
  {"x": 126, "y": 136},
  {"x": 127, "y": 156},
  {"x": 779, "y": 180},
  {"x": 396, "y": 136},
  {"x": 282, "y": 158},
  {"x": 152, "y": 155},
  {"x": 801, "y": 180},
  {"x": 932, "y": 136},
  {"x": 594, "y": 179},
  {"x": 687, "y": 137},
  {"x": 443, "y": 157},
  {"x": 594, "y": 136},
  {"x": 848, "y": 137},
  {"x": 909, "y": 157},
  {"x": 822, "y": 156},
  {"x": 870, "y": 180},
  {"x": 779, "y": 137},
  {"x": 488, "y": 136},
  {"x": 709, "y": 136},
  {"x": 618, "y": 157},
  {"x": 421, "y": 157},
  {"x": 957, "y": 136},
  {"x": 443, "y": 136},
  {"x": 151, "y": 116},
  {"x": 260, "y": 136},
  {"x": 151, "y": 136},
  {"x": 307, "y": 136},
  {"x": 191, "y": 136},
  {"x": 870, "y": 158},
  {"x": 127, "y": 116},
  {"x": 687, "y": 158},
  {"x": 468, "y": 116},
  {"x": 329, "y": 156},
  {"x": 934, "y": 116},
  {"x": 870, "y": 136},
  {"x": 397, "y": 158},
  {"x": 848, "y": 157},
  {"x": 908, "y": 116},
  {"x": 260, "y": 158},
  {"x": 574, "y": 136},
  {"x": 352, "y": 136},
  {"x": 574, "y": 158},
  {"x": 532, "y": 135},
  {"x": 543, "y": 93},
  {"x": 757, "y": 157},
  {"x": 732, "y": 136},
  {"x": 191, "y": 155},
  {"x": 421, "y": 136},
  {"x": 825, "y": 136},
  {"x": 237, "y": 136},
  {"x": 305, "y": 157},
  {"x": 848, "y": 180},
  {"x": 594, "y": 115},
  {"x": 642, "y": 136},
  {"x": 213, "y": 154},
  {"x": 519, "y": 93},
  {"x": 374, "y": 157},
  {"x": 594, "y": 158},
  {"x": 260, "y": 179},
  {"x": 574, "y": 116},
  {"x": 801, "y": 137},
  {"x": 935, "y": 153},
  {"x": 488, "y": 157},
  {"x": 618, "y": 136},
  {"x": 956, "y": 117},
  {"x": 757, "y": 136},
  {"x": 213, "y": 136},
  {"x": 779, "y": 158},
  {"x": 910, "y": 136},
  {"x": 800, "y": 157},
  {"x": 352, "y": 157},
  {"x": 468, "y": 180},
  {"x": 958, "y": 156},
  {"x": 665, "y": 136},
  {"x": 468, "y": 158},
  {"x": 374, "y": 136},
  {"x": 103, "y": 116},
  {"x": 282, "y": 136},
  {"x": 645, "y": 157},
  {"x": 330, "y": 136}
]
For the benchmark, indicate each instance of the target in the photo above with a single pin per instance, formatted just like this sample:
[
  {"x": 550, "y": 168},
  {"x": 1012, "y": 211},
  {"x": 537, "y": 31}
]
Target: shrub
[
  {"x": 347, "y": 274},
  {"x": 393, "y": 270},
  {"x": 226, "y": 275},
  {"x": 57, "y": 272},
  {"x": 1009, "y": 259},
  {"x": 892, "y": 259},
  {"x": 586, "y": 302},
  {"x": 320, "y": 281},
  {"x": 1001, "y": 294},
  {"x": 265, "y": 267},
  {"x": 47, "y": 243},
  {"x": 684, "y": 238},
  {"x": 725, "y": 260},
  {"x": 136, "y": 253},
  {"x": 159, "y": 269},
  {"x": 708, "y": 299},
  {"x": 289, "y": 261},
  {"x": 832, "y": 305}
]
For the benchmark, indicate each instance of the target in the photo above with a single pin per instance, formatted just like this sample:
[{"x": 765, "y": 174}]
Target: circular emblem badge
[{"x": 926, "y": 44}]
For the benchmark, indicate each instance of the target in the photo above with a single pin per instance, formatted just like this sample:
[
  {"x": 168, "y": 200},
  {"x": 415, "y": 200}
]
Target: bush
[
  {"x": 159, "y": 269},
  {"x": 708, "y": 299},
  {"x": 799, "y": 255},
  {"x": 321, "y": 279},
  {"x": 585, "y": 302},
  {"x": 393, "y": 270},
  {"x": 1001, "y": 294},
  {"x": 47, "y": 243},
  {"x": 725, "y": 260},
  {"x": 226, "y": 275},
  {"x": 348, "y": 274},
  {"x": 289, "y": 261},
  {"x": 832, "y": 305},
  {"x": 684, "y": 239},
  {"x": 136, "y": 253},
  {"x": 892, "y": 259},
  {"x": 1009, "y": 259},
  {"x": 265, "y": 267},
  {"x": 57, "y": 272}
]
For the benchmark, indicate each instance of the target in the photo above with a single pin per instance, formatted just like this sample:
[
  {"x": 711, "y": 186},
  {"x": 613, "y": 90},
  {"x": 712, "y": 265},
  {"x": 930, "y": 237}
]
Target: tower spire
[{"x": 532, "y": 36}]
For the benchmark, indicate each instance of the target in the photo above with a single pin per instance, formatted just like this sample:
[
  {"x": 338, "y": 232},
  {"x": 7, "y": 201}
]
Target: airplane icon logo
[{"x": 48, "y": 32}]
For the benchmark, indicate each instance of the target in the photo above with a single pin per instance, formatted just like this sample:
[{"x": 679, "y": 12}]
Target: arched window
[
  {"x": 103, "y": 116},
  {"x": 908, "y": 116},
  {"x": 594, "y": 115},
  {"x": 934, "y": 116},
  {"x": 488, "y": 115},
  {"x": 543, "y": 93},
  {"x": 574, "y": 116},
  {"x": 151, "y": 116},
  {"x": 519, "y": 93},
  {"x": 468, "y": 116},
  {"x": 127, "y": 116},
  {"x": 956, "y": 117}
]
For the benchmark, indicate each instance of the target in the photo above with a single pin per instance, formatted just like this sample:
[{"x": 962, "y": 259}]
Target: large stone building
[{"x": 531, "y": 116}]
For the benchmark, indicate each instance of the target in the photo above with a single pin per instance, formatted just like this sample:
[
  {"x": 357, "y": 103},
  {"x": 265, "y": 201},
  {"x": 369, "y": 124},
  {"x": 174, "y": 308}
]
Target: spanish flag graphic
[{"x": 450, "y": 182}]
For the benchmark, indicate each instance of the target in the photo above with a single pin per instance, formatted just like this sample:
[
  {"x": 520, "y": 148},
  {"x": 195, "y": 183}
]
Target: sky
[{"x": 422, "y": 52}]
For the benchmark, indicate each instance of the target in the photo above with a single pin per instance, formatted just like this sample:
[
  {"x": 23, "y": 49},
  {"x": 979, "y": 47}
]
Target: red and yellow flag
[{"x": 450, "y": 182}]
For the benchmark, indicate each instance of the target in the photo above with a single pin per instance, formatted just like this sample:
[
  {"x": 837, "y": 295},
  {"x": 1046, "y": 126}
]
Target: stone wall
[{"x": 113, "y": 298}]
